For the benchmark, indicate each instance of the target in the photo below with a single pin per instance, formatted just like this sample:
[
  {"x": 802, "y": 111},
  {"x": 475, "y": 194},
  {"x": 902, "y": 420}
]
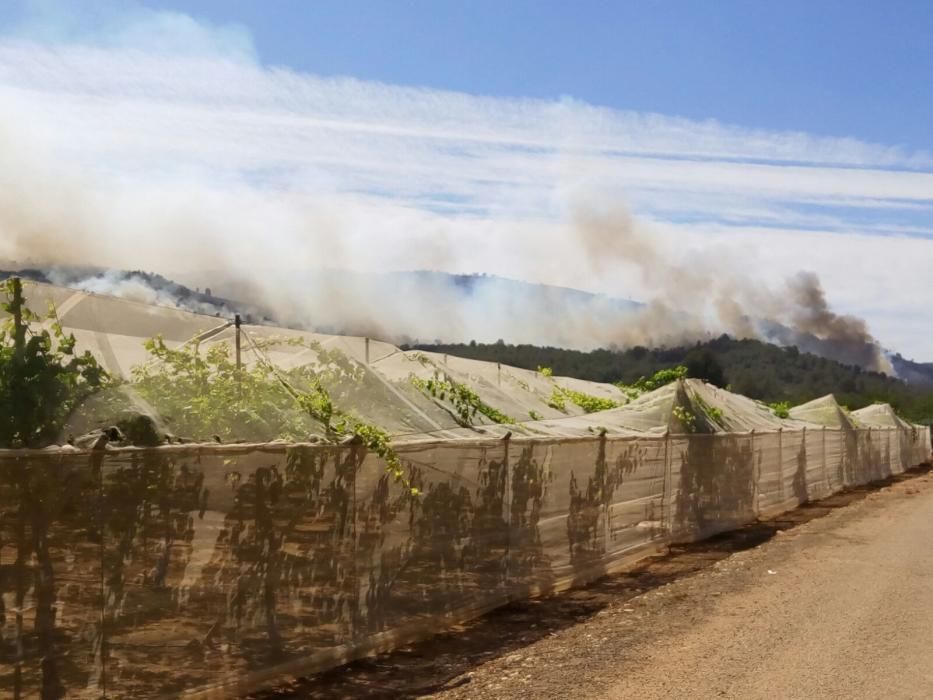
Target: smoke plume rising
[
  {"x": 797, "y": 313},
  {"x": 302, "y": 261}
]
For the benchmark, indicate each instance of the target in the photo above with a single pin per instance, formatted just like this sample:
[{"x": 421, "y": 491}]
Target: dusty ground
[{"x": 805, "y": 606}]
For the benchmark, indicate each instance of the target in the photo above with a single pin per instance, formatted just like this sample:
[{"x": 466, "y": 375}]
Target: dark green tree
[{"x": 702, "y": 363}]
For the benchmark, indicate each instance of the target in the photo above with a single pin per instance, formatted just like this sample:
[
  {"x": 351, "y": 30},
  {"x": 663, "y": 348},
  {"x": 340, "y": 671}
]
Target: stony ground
[{"x": 834, "y": 600}]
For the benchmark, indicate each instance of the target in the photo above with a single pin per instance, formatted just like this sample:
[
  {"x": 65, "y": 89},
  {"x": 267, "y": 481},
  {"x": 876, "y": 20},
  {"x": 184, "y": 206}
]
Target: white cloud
[
  {"x": 171, "y": 121},
  {"x": 127, "y": 24}
]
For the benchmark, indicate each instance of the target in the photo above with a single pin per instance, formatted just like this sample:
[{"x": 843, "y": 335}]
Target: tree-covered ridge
[{"x": 756, "y": 369}]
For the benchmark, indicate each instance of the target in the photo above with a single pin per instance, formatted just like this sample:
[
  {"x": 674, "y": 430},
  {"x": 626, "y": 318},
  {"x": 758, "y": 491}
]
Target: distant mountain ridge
[
  {"x": 389, "y": 289},
  {"x": 913, "y": 372}
]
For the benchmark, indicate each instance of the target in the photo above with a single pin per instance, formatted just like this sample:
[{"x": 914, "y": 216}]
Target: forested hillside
[{"x": 756, "y": 369}]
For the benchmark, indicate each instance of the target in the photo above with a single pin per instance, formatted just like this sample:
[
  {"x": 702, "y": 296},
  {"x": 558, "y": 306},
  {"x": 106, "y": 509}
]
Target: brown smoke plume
[{"x": 796, "y": 314}]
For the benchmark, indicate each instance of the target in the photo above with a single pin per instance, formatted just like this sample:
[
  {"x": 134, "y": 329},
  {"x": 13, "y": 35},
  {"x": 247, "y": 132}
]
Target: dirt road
[{"x": 840, "y": 607}]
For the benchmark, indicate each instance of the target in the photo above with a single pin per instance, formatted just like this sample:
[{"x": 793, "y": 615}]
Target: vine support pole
[
  {"x": 667, "y": 490},
  {"x": 17, "y": 304},
  {"x": 21, "y": 411},
  {"x": 829, "y": 486},
  {"x": 507, "y": 500},
  {"x": 239, "y": 362},
  {"x": 756, "y": 472},
  {"x": 780, "y": 433}
]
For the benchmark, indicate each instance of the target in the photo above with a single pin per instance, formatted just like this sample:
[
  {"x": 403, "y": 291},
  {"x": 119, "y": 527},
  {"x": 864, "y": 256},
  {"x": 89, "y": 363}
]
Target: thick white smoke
[
  {"x": 320, "y": 261},
  {"x": 50, "y": 216}
]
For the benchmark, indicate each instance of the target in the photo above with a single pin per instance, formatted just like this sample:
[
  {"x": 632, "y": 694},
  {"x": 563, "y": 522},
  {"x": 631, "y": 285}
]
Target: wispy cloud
[
  {"x": 121, "y": 24},
  {"x": 157, "y": 113}
]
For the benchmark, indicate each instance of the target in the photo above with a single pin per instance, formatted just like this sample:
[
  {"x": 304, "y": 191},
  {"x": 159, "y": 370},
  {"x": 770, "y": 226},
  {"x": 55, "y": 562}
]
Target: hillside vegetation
[{"x": 750, "y": 367}]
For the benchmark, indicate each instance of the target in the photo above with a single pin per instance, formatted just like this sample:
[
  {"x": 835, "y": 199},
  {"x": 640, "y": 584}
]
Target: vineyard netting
[{"x": 149, "y": 553}]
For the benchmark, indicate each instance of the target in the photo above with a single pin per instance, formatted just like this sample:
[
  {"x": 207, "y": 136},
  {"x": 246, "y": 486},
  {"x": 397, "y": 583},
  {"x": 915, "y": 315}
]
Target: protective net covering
[
  {"x": 140, "y": 564},
  {"x": 824, "y": 411},
  {"x": 879, "y": 415}
]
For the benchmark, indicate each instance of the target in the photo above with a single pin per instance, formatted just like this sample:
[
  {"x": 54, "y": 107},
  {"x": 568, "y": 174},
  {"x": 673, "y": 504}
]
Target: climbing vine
[
  {"x": 465, "y": 402},
  {"x": 557, "y": 400},
  {"x": 206, "y": 393},
  {"x": 655, "y": 381},
  {"x": 686, "y": 418},
  {"x": 316, "y": 400},
  {"x": 713, "y": 412},
  {"x": 589, "y": 403},
  {"x": 42, "y": 377},
  {"x": 781, "y": 409}
]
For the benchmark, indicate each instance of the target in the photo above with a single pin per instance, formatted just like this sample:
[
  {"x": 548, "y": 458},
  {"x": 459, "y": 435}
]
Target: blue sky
[
  {"x": 751, "y": 140},
  {"x": 836, "y": 68}
]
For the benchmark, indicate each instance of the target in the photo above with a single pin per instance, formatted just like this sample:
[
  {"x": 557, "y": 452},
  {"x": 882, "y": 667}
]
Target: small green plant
[
  {"x": 590, "y": 404},
  {"x": 465, "y": 402},
  {"x": 655, "y": 381},
  {"x": 557, "y": 400},
  {"x": 714, "y": 413},
  {"x": 534, "y": 415},
  {"x": 781, "y": 409},
  {"x": 545, "y": 371},
  {"x": 685, "y": 417}
]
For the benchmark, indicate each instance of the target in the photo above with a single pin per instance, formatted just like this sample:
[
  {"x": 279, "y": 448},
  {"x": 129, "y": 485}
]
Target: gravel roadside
[{"x": 840, "y": 607}]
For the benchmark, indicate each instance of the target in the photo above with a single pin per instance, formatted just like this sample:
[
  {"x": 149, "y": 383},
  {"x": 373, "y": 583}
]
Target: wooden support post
[
  {"x": 780, "y": 433},
  {"x": 239, "y": 361},
  {"x": 867, "y": 464},
  {"x": 806, "y": 477},
  {"x": 236, "y": 323},
  {"x": 756, "y": 470},
  {"x": 507, "y": 511},
  {"x": 18, "y": 303},
  {"x": 829, "y": 486},
  {"x": 667, "y": 497}
]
